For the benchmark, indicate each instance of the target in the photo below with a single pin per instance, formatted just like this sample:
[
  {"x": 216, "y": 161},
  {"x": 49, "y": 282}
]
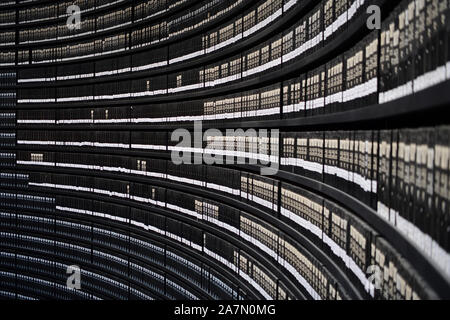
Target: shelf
[
  {"x": 428, "y": 107},
  {"x": 340, "y": 274},
  {"x": 206, "y": 59},
  {"x": 275, "y": 268},
  {"x": 434, "y": 100},
  {"x": 54, "y": 20},
  {"x": 128, "y": 28},
  {"x": 164, "y": 241},
  {"x": 104, "y": 272},
  {"x": 406, "y": 248},
  {"x": 198, "y": 31},
  {"x": 33, "y": 275},
  {"x": 342, "y": 42},
  {"x": 427, "y": 269}
]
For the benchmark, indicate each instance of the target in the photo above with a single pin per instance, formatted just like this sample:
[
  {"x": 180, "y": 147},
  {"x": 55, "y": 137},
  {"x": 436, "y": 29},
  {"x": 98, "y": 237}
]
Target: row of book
[
  {"x": 88, "y": 25},
  {"x": 7, "y": 139},
  {"x": 258, "y": 190},
  {"x": 243, "y": 26},
  {"x": 414, "y": 188},
  {"x": 7, "y": 38},
  {"x": 7, "y": 159},
  {"x": 308, "y": 271},
  {"x": 7, "y": 58},
  {"x": 143, "y": 9},
  {"x": 172, "y": 229},
  {"x": 345, "y": 159},
  {"x": 401, "y": 173},
  {"x": 8, "y": 98},
  {"x": 259, "y": 18},
  {"x": 206, "y": 11},
  {"x": 350, "y": 241},
  {"x": 51, "y": 11},
  {"x": 365, "y": 164},
  {"x": 148, "y": 8},
  {"x": 339, "y": 85},
  {"x": 201, "y": 14},
  {"x": 174, "y": 259},
  {"x": 106, "y": 244},
  {"x": 11, "y": 2},
  {"x": 321, "y": 90},
  {"x": 414, "y": 46},
  {"x": 7, "y": 119},
  {"x": 7, "y": 17},
  {"x": 260, "y": 234}
]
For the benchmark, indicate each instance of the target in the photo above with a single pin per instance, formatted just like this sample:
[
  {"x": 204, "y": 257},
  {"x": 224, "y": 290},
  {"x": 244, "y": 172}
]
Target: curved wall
[{"x": 345, "y": 174}]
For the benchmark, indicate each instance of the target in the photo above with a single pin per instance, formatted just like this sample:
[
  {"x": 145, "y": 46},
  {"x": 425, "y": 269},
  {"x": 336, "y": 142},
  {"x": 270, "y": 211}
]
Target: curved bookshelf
[{"x": 269, "y": 241}]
